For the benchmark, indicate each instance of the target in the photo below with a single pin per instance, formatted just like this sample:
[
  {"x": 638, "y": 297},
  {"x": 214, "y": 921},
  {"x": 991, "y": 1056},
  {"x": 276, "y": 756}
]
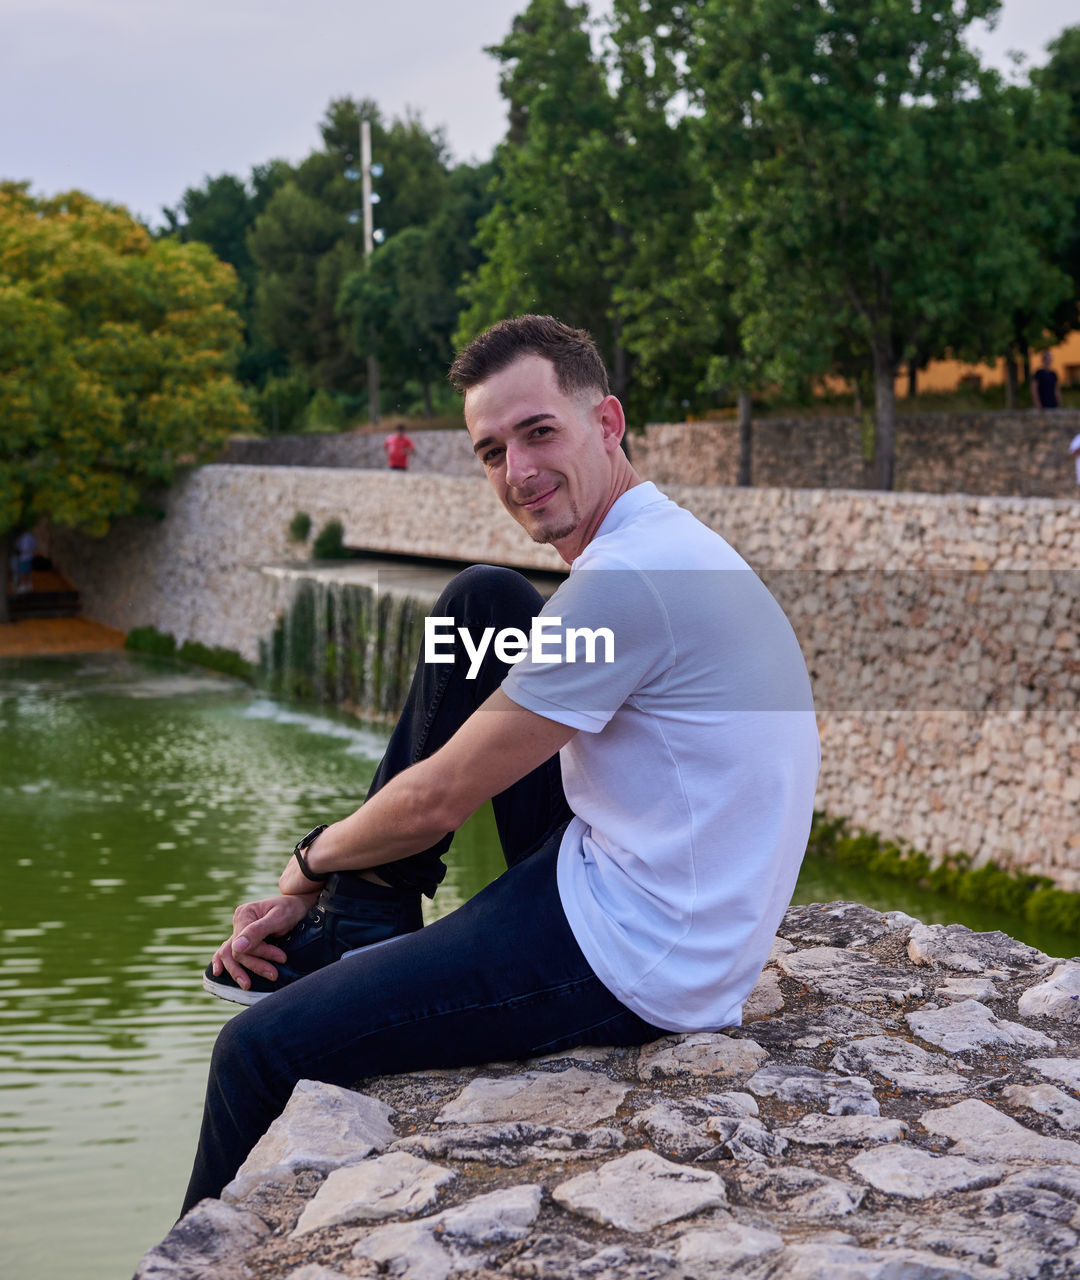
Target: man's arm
[{"x": 498, "y": 745}]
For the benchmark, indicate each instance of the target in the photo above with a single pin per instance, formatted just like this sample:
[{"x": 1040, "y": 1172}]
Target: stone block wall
[
  {"x": 942, "y": 632},
  {"x": 446, "y": 453},
  {"x": 1010, "y": 454}
]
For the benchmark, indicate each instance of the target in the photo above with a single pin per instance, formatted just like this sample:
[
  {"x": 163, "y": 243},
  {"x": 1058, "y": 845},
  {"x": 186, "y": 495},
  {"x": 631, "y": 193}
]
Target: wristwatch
[{"x": 298, "y": 854}]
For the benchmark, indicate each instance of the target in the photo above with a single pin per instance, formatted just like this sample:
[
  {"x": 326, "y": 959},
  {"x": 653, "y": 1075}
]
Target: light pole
[{"x": 369, "y": 245}]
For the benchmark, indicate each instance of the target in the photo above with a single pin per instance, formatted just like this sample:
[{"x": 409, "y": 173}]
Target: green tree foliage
[
  {"x": 309, "y": 238},
  {"x": 221, "y": 213},
  {"x": 116, "y": 353},
  {"x": 861, "y": 160},
  {"x": 547, "y": 241}
]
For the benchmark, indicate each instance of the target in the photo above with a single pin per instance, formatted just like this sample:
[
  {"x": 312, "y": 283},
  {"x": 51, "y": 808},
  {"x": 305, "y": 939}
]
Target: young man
[{"x": 645, "y": 881}]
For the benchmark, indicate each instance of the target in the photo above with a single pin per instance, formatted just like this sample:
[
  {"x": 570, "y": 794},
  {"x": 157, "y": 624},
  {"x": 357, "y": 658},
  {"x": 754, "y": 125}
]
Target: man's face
[{"x": 549, "y": 455}]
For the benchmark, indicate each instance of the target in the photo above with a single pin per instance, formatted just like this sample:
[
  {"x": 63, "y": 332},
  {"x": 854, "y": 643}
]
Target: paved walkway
[{"x": 37, "y": 637}]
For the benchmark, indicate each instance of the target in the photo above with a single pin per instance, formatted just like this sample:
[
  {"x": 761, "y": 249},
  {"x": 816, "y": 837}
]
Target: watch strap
[{"x": 298, "y": 854}]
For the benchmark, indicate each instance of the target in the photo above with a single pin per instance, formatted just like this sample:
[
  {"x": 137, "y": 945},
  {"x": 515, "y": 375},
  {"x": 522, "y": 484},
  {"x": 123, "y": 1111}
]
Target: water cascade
[{"x": 349, "y": 636}]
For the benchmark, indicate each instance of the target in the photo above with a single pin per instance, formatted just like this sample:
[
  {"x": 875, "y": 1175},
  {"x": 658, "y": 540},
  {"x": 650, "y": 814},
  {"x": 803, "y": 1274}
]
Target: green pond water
[{"x": 139, "y": 802}]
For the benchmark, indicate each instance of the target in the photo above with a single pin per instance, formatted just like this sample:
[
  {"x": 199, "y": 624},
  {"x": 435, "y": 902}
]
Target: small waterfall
[{"x": 352, "y": 644}]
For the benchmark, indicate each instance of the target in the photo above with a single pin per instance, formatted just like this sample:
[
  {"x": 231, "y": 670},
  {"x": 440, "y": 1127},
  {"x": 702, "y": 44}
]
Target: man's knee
[{"x": 489, "y": 595}]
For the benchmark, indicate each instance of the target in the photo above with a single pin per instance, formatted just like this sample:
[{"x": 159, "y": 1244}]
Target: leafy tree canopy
[{"x": 116, "y": 352}]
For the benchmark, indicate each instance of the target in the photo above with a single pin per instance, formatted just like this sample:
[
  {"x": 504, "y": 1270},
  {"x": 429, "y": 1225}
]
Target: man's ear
[{"x": 612, "y": 422}]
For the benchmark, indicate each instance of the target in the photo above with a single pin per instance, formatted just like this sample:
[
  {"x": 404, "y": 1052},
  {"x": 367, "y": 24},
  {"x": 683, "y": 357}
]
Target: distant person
[
  {"x": 1074, "y": 453},
  {"x": 25, "y": 547},
  {"x": 398, "y": 447},
  {"x": 1044, "y": 385}
]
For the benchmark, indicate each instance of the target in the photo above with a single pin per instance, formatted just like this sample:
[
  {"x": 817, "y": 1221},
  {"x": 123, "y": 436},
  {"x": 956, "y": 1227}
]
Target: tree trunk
[
  {"x": 428, "y": 411},
  {"x": 746, "y": 436},
  {"x": 884, "y": 415},
  {"x": 1010, "y": 381},
  {"x": 912, "y": 379},
  {"x": 856, "y": 397},
  {"x": 5, "y": 582}
]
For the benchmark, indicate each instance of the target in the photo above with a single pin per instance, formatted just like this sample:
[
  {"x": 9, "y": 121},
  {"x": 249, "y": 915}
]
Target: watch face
[{"x": 310, "y": 838}]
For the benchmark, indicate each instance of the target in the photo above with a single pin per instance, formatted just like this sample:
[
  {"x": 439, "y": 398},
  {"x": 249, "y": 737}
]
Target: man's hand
[{"x": 254, "y": 922}]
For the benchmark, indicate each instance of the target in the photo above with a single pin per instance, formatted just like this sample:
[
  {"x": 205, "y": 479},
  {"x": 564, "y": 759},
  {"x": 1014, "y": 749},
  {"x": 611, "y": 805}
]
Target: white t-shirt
[
  {"x": 1074, "y": 450},
  {"x": 693, "y": 778}
]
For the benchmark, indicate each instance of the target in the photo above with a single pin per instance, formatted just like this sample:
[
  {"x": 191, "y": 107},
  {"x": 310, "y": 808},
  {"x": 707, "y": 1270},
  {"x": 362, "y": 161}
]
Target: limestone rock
[
  {"x": 706, "y": 1252},
  {"x": 512, "y": 1144},
  {"x": 969, "y": 1025},
  {"x": 746, "y": 1139},
  {"x": 808, "y": 1031},
  {"x": 376, "y": 1189},
  {"x": 211, "y": 1239},
  {"x": 842, "y": 1094},
  {"x": 640, "y": 1191},
  {"x": 918, "y": 1175},
  {"x": 766, "y": 997},
  {"x": 315, "y": 1271},
  {"x": 1047, "y": 1100},
  {"x": 1064, "y": 1070},
  {"x": 971, "y": 987},
  {"x": 849, "y": 1262},
  {"x": 551, "y": 1257},
  {"x": 849, "y": 976},
  {"x": 322, "y": 1127},
  {"x": 259, "y": 1183},
  {"x": 956, "y": 947},
  {"x": 703, "y": 1054},
  {"x": 910, "y": 1068},
  {"x": 433, "y": 1248},
  {"x": 834, "y": 924},
  {"x": 978, "y": 1129},
  {"x": 800, "y": 1192},
  {"x": 1057, "y": 997},
  {"x": 816, "y": 1130},
  {"x": 566, "y": 1098},
  {"x": 678, "y": 1129}
]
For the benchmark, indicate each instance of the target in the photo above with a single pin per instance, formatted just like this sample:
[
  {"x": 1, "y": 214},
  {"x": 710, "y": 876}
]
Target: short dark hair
[{"x": 578, "y": 364}]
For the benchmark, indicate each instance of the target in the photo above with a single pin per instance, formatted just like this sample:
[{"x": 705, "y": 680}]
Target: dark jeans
[{"x": 500, "y": 978}]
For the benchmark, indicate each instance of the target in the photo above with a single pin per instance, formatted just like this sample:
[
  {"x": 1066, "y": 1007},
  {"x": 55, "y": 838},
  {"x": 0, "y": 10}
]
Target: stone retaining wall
[
  {"x": 901, "y": 1103},
  {"x": 1006, "y": 454},
  {"x": 941, "y": 632}
]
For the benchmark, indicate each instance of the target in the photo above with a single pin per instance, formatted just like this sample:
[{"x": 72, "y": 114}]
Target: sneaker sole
[{"x": 236, "y": 995}]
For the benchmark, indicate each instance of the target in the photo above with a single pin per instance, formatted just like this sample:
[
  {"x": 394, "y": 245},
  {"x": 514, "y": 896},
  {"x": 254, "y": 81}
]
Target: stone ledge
[{"x": 852, "y": 1132}]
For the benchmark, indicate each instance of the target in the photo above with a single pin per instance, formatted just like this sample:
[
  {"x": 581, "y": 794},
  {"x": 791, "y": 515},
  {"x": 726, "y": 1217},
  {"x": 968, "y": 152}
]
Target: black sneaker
[{"x": 350, "y": 913}]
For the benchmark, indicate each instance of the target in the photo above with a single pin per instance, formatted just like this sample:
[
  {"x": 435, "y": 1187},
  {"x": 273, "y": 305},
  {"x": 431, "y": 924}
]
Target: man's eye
[
  {"x": 542, "y": 431},
  {"x": 490, "y": 456}
]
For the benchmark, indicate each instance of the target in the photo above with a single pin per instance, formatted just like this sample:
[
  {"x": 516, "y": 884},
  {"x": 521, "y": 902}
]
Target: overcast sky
[{"x": 134, "y": 100}]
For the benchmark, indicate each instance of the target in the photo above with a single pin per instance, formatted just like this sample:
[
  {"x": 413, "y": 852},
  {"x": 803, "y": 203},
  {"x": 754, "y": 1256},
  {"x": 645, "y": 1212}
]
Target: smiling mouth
[{"x": 536, "y": 500}]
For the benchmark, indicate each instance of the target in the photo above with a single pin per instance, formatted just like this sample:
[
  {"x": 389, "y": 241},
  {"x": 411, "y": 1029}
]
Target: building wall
[{"x": 941, "y": 631}]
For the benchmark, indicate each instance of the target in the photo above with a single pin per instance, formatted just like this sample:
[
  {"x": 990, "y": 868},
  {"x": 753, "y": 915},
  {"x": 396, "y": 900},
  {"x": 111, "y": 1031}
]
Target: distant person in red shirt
[{"x": 398, "y": 446}]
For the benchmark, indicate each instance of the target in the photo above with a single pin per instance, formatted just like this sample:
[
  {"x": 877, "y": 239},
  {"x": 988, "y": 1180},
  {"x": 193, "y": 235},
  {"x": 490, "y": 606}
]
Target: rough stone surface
[
  {"x": 322, "y": 1127},
  {"x": 212, "y": 1239},
  {"x": 842, "y": 1094},
  {"x": 909, "y": 1067},
  {"x": 918, "y": 1175},
  {"x": 705, "y": 1054},
  {"x": 816, "y": 1130},
  {"x": 765, "y": 998},
  {"x": 968, "y": 1171},
  {"x": 849, "y": 976},
  {"x": 391, "y": 1184},
  {"x": 1057, "y": 997},
  {"x": 970, "y": 1025},
  {"x": 574, "y": 1098},
  {"x": 1047, "y": 1100},
  {"x": 640, "y": 1191},
  {"x": 954, "y": 946},
  {"x": 839, "y": 924}
]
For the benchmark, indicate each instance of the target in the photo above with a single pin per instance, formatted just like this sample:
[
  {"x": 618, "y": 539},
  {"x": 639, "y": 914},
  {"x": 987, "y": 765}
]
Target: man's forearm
[{"x": 403, "y": 818}]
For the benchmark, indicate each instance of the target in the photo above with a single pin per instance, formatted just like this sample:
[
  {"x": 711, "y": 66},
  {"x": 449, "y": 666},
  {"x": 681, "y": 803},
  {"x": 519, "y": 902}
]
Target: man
[
  {"x": 1044, "y": 385},
  {"x": 645, "y": 881},
  {"x": 398, "y": 448}
]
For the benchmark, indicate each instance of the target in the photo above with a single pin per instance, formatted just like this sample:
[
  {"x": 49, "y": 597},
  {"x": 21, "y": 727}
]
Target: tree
[
  {"x": 221, "y": 213},
  {"x": 853, "y": 145},
  {"x": 115, "y": 359},
  {"x": 548, "y": 238},
  {"x": 309, "y": 238}
]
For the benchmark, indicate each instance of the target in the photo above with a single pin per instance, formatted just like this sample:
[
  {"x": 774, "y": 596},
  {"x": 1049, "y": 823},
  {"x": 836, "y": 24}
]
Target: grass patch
[
  {"x": 161, "y": 644},
  {"x": 1033, "y": 898}
]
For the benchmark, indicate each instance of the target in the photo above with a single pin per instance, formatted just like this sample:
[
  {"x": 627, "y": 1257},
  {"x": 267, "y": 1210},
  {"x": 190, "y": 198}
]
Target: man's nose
[{"x": 519, "y": 464}]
